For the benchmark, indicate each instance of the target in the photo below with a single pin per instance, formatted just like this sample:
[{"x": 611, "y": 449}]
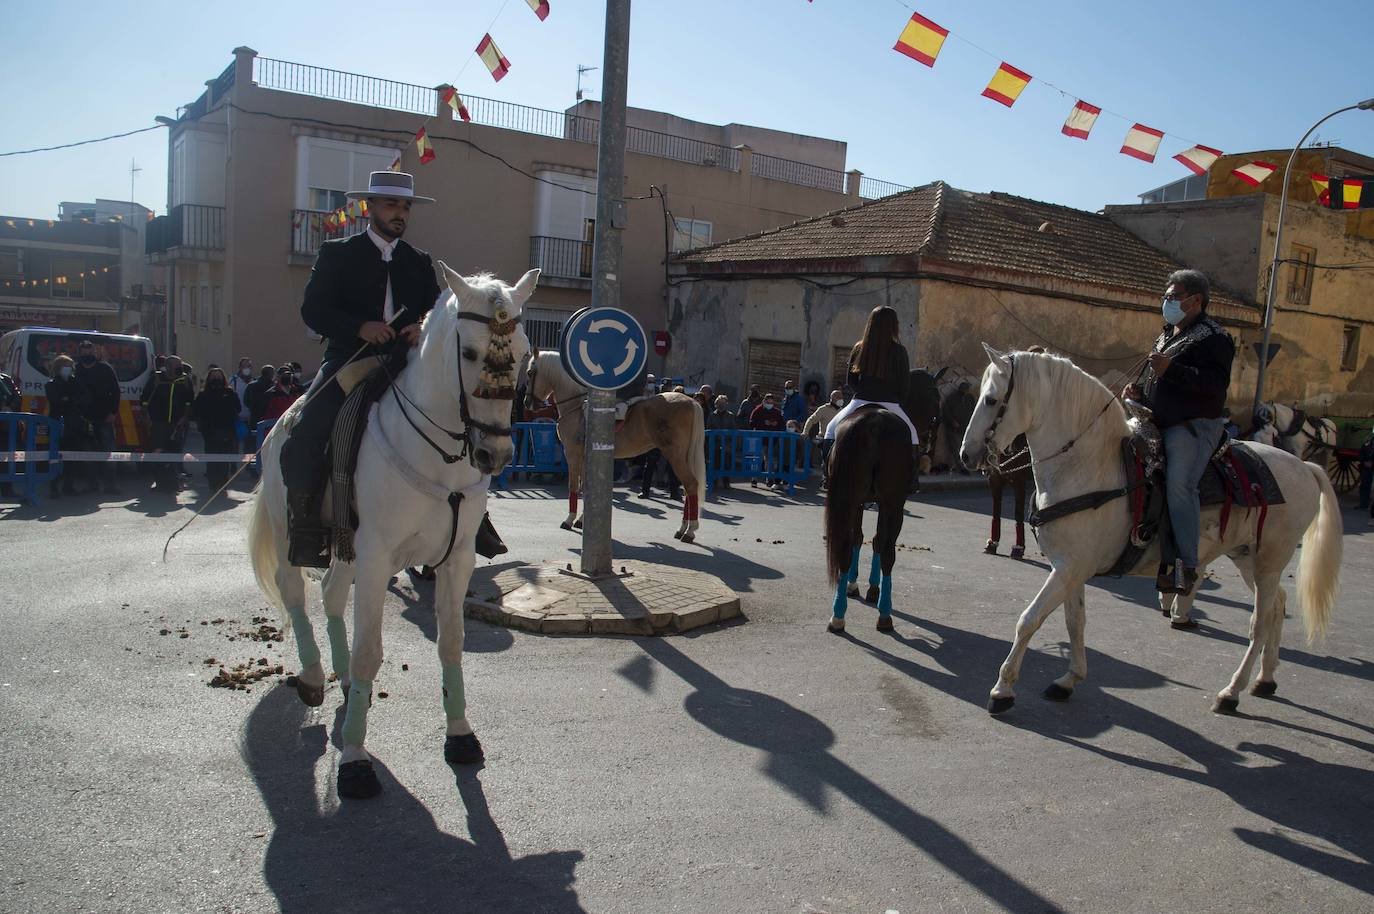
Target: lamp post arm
[{"x": 1271, "y": 292}]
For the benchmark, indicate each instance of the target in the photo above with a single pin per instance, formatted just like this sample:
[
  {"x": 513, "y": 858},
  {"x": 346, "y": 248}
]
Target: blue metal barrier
[
  {"x": 747, "y": 454},
  {"x": 537, "y": 450},
  {"x": 26, "y": 475}
]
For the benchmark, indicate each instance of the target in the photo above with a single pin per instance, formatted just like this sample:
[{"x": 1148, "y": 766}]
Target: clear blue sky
[{"x": 1233, "y": 75}]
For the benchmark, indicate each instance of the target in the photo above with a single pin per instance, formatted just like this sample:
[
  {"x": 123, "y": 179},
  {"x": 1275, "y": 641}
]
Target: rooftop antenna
[
  {"x": 580, "y": 70},
  {"x": 133, "y": 175}
]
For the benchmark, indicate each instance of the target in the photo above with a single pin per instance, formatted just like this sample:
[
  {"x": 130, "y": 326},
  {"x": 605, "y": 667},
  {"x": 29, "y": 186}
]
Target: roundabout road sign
[{"x": 603, "y": 348}]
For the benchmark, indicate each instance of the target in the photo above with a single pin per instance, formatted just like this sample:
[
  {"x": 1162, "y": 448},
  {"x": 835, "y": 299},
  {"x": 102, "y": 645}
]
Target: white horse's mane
[{"x": 1081, "y": 395}]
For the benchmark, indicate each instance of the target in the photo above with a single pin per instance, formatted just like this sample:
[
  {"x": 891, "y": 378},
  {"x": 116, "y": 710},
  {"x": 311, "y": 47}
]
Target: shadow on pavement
[{"x": 385, "y": 854}]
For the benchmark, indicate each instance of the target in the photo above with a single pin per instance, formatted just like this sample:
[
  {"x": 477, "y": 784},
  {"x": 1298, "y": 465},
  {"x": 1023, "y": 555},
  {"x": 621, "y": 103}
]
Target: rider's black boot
[
  {"x": 489, "y": 544},
  {"x": 309, "y": 541}
]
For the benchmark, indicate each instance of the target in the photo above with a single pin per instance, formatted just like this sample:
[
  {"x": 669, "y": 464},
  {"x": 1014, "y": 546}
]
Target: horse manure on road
[{"x": 244, "y": 675}]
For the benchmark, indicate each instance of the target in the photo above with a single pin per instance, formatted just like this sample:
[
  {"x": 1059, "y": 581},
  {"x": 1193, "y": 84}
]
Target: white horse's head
[
  {"x": 477, "y": 337},
  {"x": 999, "y": 415}
]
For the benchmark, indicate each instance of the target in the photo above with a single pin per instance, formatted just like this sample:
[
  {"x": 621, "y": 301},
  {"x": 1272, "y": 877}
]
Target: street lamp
[{"x": 1365, "y": 105}]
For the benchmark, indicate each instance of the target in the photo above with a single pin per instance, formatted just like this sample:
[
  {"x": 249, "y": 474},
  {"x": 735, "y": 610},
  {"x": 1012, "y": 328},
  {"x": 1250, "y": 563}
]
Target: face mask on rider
[
  {"x": 245, "y": 373},
  {"x": 1173, "y": 311},
  {"x": 65, "y": 372}
]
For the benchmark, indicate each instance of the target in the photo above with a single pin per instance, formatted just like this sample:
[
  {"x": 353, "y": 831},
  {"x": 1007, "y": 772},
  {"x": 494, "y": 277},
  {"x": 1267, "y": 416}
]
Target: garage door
[
  {"x": 771, "y": 363},
  {"x": 839, "y": 367}
]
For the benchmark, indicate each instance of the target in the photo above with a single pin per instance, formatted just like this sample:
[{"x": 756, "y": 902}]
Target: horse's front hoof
[
  {"x": 577, "y": 524},
  {"x": 872, "y": 595},
  {"x": 1000, "y": 705},
  {"x": 1056, "y": 692},
  {"x": 1184, "y": 625},
  {"x": 1225, "y": 705},
  {"x": 677, "y": 534},
  {"x": 463, "y": 750},
  {"x": 566, "y": 525},
  {"x": 689, "y": 537},
  {"x": 358, "y": 780},
  {"x": 1018, "y": 552},
  {"x": 884, "y": 623},
  {"x": 991, "y": 547},
  {"x": 1262, "y": 689},
  {"x": 836, "y": 626},
  {"x": 313, "y": 696},
  {"x": 852, "y": 591}
]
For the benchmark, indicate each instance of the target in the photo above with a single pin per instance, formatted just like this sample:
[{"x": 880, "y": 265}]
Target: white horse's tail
[
  {"x": 1320, "y": 566},
  {"x": 262, "y": 549},
  {"x": 698, "y": 454}
]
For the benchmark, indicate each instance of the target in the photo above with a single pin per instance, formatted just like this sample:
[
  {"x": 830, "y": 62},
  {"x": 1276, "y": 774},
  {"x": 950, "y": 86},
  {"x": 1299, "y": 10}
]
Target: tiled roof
[{"x": 942, "y": 223}]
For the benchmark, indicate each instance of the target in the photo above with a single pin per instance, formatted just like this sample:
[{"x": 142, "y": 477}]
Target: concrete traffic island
[{"x": 640, "y": 599}]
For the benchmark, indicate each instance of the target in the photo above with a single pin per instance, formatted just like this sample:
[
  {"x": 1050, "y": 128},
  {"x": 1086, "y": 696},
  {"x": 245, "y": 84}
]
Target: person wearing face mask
[
  {"x": 239, "y": 385},
  {"x": 67, "y": 401},
  {"x": 216, "y": 410},
  {"x": 766, "y": 417},
  {"x": 1184, "y": 384},
  {"x": 102, "y": 406},
  {"x": 167, "y": 402},
  {"x": 719, "y": 416},
  {"x": 818, "y": 422}
]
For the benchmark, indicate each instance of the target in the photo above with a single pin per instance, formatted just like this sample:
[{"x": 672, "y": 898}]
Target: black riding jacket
[
  {"x": 1195, "y": 385},
  {"x": 885, "y": 386}
]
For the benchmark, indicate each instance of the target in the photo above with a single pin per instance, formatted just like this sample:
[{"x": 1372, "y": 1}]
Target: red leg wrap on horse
[{"x": 572, "y": 502}]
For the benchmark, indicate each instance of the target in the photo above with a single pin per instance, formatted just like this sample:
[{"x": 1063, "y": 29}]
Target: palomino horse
[
  {"x": 671, "y": 422},
  {"x": 1297, "y": 433},
  {"x": 417, "y": 503},
  {"x": 1074, "y": 427},
  {"x": 871, "y": 461}
]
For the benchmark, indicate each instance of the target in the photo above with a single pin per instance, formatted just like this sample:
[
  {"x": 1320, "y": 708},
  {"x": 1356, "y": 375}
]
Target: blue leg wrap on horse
[
  {"x": 455, "y": 702},
  {"x": 854, "y": 564},
  {"x": 841, "y": 600},
  {"x": 338, "y": 644},
  {"x": 885, "y": 596},
  {"x": 306, "y": 649},
  {"x": 875, "y": 570},
  {"x": 355, "y": 719}
]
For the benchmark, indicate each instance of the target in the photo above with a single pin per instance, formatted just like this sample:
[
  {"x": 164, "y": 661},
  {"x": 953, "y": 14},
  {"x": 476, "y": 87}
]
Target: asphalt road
[{"x": 763, "y": 766}]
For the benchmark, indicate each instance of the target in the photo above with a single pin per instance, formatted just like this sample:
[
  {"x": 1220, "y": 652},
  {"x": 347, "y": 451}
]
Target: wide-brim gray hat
[{"x": 396, "y": 184}]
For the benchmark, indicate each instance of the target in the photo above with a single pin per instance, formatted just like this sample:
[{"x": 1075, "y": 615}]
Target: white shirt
[{"x": 386, "y": 247}]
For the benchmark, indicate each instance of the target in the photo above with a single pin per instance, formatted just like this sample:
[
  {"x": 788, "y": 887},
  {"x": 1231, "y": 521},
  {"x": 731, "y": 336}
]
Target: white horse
[
  {"x": 1310, "y": 438},
  {"x": 433, "y": 440},
  {"x": 1074, "y": 426}
]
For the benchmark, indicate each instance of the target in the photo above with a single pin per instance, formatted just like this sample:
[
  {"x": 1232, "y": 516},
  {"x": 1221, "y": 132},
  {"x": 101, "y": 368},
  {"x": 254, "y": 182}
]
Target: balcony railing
[
  {"x": 872, "y": 189},
  {"x": 561, "y": 258},
  {"x": 189, "y": 225},
  {"x": 285, "y": 76},
  {"x": 311, "y": 228},
  {"x": 802, "y": 173}
]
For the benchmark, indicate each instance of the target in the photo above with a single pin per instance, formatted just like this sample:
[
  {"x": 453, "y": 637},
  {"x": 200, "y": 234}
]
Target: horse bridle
[
  {"x": 1002, "y": 411},
  {"x": 499, "y": 325},
  {"x": 532, "y": 373}
]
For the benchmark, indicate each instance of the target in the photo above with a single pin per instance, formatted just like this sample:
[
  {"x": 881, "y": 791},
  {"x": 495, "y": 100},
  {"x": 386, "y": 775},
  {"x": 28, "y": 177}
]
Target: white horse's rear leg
[
  {"x": 461, "y": 746},
  {"x": 1266, "y": 601},
  {"x": 357, "y": 779},
  {"x": 1053, "y": 592},
  {"x": 335, "y": 587},
  {"x": 1075, "y": 617}
]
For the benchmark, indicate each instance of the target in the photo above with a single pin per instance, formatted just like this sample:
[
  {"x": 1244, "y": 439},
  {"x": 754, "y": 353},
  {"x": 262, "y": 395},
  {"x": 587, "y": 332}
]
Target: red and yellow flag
[
  {"x": 455, "y": 101},
  {"x": 1351, "y": 189},
  {"x": 491, "y": 56},
  {"x": 1006, "y": 84},
  {"x": 424, "y": 147},
  {"x": 395, "y": 164},
  {"x": 921, "y": 40},
  {"x": 1142, "y": 142},
  {"x": 1080, "y": 120},
  {"x": 1254, "y": 173},
  {"x": 540, "y": 7},
  {"x": 1198, "y": 159},
  {"x": 1321, "y": 186}
]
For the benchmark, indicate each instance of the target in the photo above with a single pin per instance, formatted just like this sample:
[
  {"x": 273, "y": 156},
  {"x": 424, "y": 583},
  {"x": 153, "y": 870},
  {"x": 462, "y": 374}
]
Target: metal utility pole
[
  {"x": 610, "y": 222},
  {"x": 1270, "y": 293}
]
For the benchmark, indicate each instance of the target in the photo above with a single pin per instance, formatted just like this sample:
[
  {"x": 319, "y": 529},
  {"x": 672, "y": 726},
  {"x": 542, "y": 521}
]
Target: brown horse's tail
[{"x": 852, "y": 463}]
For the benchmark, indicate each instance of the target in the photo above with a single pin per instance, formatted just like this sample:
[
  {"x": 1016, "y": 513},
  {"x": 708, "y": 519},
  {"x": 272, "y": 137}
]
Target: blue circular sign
[{"x": 603, "y": 348}]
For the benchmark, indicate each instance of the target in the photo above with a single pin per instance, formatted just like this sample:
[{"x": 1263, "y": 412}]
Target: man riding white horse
[
  {"x": 367, "y": 292},
  {"x": 1184, "y": 384}
]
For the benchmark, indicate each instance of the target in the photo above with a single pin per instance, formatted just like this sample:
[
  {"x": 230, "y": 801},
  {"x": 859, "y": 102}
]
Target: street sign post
[{"x": 603, "y": 348}]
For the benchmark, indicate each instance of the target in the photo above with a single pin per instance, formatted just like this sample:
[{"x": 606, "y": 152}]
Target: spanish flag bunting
[
  {"x": 1006, "y": 84},
  {"x": 1142, "y": 142},
  {"x": 491, "y": 56},
  {"x": 1348, "y": 193},
  {"x": 541, "y": 9},
  {"x": 455, "y": 101},
  {"x": 1198, "y": 159},
  {"x": 329, "y": 221},
  {"x": 1080, "y": 120},
  {"x": 1321, "y": 186},
  {"x": 424, "y": 147},
  {"x": 921, "y": 40},
  {"x": 1254, "y": 173},
  {"x": 395, "y": 164},
  {"x": 362, "y": 207}
]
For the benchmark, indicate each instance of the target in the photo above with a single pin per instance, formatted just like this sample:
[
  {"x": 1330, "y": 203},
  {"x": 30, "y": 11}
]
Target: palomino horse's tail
[
  {"x": 1320, "y": 566},
  {"x": 850, "y": 473},
  {"x": 265, "y": 532}
]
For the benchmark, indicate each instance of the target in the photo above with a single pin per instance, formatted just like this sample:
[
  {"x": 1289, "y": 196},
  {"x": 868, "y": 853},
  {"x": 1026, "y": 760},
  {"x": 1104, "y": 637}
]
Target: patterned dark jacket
[
  {"x": 1195, "y": 385},
  {"x": 347, "y": 289}
]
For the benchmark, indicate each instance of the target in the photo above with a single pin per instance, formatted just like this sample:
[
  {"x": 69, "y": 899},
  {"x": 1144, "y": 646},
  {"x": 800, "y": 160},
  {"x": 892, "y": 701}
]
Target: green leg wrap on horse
[
  {"x": 455, "y": 702},
  {"x": 355, "y": 720},
  {"x": 306, "y": 648},
  {"x": 338, "y": 645}
]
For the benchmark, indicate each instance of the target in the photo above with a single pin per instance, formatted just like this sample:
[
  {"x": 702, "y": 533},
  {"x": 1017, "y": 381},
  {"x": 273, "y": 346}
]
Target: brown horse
[
  {"x": 671, "y": 422},
  {"x": 1015, "y": 473}
]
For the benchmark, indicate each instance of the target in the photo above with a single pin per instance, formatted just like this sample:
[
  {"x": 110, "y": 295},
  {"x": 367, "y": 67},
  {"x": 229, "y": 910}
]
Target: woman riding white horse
[
  {"x": 431, "y": 446},
  {"x": 1074, "y": 426}
]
